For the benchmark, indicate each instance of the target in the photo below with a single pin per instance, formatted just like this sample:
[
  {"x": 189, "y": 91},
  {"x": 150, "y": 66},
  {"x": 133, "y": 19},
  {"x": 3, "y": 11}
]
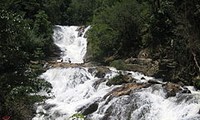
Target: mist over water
[{"x": 76, "y": 89}]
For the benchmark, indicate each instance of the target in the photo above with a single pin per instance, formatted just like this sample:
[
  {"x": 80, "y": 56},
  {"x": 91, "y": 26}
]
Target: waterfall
[
  {"x": 79, "y": 90},
  {"x": 71, "y": 41}
]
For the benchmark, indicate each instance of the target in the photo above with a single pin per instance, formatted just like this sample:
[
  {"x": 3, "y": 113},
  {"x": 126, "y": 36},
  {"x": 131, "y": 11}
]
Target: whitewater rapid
[
  {"x": 79, "y": 91},
  {"x": 72, "y": 43}
]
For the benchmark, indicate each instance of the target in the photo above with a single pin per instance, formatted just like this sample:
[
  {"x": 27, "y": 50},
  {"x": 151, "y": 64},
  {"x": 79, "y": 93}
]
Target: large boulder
[
  {"x": 145, "y": 53},
  {"x": 101, "y": 72},
  {"x": 127, "y": 88},
  {"x": 172, "y": 89},
  {"x": 144, "y": 65},
  {"x": 90, "y": 109},
  {"x": 120, "y": 79},
  {"x": 166, "y": 70}
]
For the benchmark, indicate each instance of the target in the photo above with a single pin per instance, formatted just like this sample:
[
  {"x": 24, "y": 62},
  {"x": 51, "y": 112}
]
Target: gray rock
[{"x": 90, "y": 109}]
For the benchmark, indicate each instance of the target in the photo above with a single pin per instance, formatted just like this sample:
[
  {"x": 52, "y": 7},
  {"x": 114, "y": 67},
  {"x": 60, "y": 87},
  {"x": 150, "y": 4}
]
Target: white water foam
[
  {"x": 76, "y": 88},
  {"x": 71, "y": 41},
  {"x": 73, "y": 88},
  {"x": 149, "y": 104}
]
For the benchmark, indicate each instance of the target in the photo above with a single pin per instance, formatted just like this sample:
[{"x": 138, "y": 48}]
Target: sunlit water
[
  {"x": 75, "y": 89},
  {"x": 71, "y": 41}
]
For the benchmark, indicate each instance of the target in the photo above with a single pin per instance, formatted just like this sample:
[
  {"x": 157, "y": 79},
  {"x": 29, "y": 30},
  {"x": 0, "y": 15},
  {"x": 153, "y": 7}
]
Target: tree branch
[{"x": 195, "y": 60}]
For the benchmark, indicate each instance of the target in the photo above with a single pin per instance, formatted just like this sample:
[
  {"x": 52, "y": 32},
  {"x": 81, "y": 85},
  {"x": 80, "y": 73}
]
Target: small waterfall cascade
[
  {"x": 72, "y": 42},
  {"x": 80, "y": 92}
]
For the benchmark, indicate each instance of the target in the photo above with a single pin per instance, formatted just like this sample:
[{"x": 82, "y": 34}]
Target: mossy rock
[
  {"x": 172, "y": 89},
  {"x": 78, "y": 116},
  {"x": 120, "y": 79},
  {"x": 101, "y": 72},
  {"x": 119, "y": 64}
]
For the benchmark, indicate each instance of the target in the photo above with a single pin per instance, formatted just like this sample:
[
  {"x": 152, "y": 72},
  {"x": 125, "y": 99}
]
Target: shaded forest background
[{"x": 168, "y": 29}]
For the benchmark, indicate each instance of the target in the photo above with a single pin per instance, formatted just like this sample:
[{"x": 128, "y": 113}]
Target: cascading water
[
  {"x": 79, "y": 90},
  {"x": 71, "y": 41}
]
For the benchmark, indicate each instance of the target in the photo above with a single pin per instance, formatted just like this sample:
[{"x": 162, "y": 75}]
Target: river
[{"x": 78, "y": 93}]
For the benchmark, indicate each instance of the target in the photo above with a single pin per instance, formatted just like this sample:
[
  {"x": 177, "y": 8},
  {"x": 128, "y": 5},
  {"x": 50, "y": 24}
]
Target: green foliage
[
  {"x": 81, "y": 11},
  {"x": 43, "y": 29},
  {"x": 116, "y": 30},
  {"x": 18, "y": 46},
  {"x": 15, "y": 95},
  {"x": 78, "y": 116},
  {"x": 102, "y": 41},
  {"x": 197, "y": 84},
  {"x": 13, "y": 39},
  {"x": 26, "y": 35},
  {"x": 187, "y": 44},
  {"x": 161, "y": 26},
  {"x": 55, "y": 9},
  {"x": 118, "y": 64},
  {"x": 120, "y": 29},
  {"x": 41, "y": 24},
  {"x": 170, "y": 29},
  {"x": 117, "y": 80}
]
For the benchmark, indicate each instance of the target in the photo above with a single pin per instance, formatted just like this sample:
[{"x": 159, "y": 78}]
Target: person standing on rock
[
  {"x": 81, "y": 30},
  {"x": 69, "y": 60}
]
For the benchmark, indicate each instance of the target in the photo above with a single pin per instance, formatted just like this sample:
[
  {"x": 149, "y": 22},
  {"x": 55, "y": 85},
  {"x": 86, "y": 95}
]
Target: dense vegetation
[
  {"x": 168, "y": 29},
  {"x": 26, "y": 40}
]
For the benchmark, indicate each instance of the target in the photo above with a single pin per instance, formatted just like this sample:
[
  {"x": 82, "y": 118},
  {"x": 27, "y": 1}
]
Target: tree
[
  {"x": 18, "y": 46},
  {"x": 116, "y": 30},
  {"x": 80, "y": 12}
]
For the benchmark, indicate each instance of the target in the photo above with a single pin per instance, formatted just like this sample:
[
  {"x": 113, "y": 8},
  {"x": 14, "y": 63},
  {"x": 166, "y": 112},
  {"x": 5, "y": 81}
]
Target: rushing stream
[{"x": 79, "y": 90}]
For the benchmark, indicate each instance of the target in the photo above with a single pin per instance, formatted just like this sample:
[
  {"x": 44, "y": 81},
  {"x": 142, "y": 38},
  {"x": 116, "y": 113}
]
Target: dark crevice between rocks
[{"x": 89, "y": 109}]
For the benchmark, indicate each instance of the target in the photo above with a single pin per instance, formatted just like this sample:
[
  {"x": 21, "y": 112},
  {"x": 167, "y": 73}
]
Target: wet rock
[
  {"x": 129, "y": 79},
  {"x": 98, "y": 82},
  {"x": 91, "y": 70},
  {"x": 101, "y": 72},
  {"x": 49, "y": 106},
  {"x": 155, "y": 82},
  {"x": 187, "y": 98},
  {"x": 131, "y": 60},
  {"x": 180, "y": 83},
  {"x": 34, "y": 62},
  {"x": 123, "y": 107},
  {"x": 143, "y": 65},
  {"x": 185, "y": 90},
  {"x": 171, "y": 89},
  {"x": 140, "y": 61},
  {"x": 118, "y": 80},
  {"x": 145, "y": 53},
  {"x": 166, "y": 70},
  {"x": 121, "y": 79},
  {"x": 127, "y": 88},
  {"x": 90, "y": 109},
  {"x": 56, "y": 114}
]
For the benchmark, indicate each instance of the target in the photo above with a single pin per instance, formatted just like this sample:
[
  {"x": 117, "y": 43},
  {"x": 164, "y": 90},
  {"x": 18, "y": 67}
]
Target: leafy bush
[
  {"x": 197, "y": 84},
  {"x": 116, "y": 30},
  {"x": 18, "y": 78},
  {"x": 117, "y": 80},
  {"x": 78, "y": 116},
  {"x": 118, "y": 64}
]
